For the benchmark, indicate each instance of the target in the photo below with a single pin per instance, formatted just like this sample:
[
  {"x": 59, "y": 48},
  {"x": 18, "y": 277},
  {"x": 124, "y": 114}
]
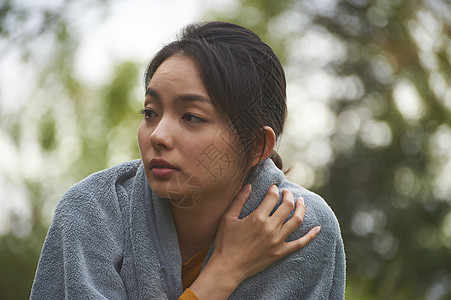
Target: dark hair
[{"x": 243, "y": 77}]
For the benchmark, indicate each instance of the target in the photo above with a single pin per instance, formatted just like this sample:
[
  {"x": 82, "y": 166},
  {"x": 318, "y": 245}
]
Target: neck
[{"x": 197, "y": 226}]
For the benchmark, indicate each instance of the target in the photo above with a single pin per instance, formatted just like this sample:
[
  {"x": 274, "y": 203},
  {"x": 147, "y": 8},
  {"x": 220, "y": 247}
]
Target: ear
[{"x": 265, "y": 145}]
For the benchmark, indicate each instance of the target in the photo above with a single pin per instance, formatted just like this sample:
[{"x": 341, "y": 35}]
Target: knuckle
[
  {"x": 297, "y": 219},
  {"x": 268, "y": 233},
  {"x": 288, "y": 193},
  {"x": 273, "y": 193},
  {"x": 288, "y": 202},
  {"x": 228, "y": 218},
  {"x": 258, "y": 218},
  {"x": 273, "y": 243},
  {"x": 278, "y": 252}
]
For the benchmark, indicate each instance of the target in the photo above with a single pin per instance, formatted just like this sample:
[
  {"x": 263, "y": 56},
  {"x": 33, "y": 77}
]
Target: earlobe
[{"x": 265, "y": 145}]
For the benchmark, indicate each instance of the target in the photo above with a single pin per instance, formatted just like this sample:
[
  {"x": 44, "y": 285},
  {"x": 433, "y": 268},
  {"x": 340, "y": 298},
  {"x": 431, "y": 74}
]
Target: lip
[{"x": 160, "y": 167}]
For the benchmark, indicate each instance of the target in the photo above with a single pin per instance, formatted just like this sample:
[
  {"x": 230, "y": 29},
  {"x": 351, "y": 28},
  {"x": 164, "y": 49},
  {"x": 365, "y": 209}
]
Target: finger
[
  {"x": 296, "y": 220},
  {"x": 284, "y": 209},
  {"x": 292, "y": 246},
  {"x": 238, "y": 201},
  {"x": 268, "y": 203}
]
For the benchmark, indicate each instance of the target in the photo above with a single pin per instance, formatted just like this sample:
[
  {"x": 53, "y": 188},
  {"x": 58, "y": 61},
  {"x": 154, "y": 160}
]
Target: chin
[
  {"x": 182, "y": 191},
  {"x": 159, "y": 190}
]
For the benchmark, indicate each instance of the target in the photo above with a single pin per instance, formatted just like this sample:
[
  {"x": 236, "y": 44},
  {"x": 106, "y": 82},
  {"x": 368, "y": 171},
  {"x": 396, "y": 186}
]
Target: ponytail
[{"x": 275, "y": 157}]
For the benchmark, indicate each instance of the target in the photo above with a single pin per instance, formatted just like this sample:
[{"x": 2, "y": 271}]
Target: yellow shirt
[
  {"x": 190, "y": 271},
  {"x": 188, "y": 295}
]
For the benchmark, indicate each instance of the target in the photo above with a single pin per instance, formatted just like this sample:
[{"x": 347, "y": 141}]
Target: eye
[
  {"x": 148, "y": 113},
  {"x": 192, "y": 118}
]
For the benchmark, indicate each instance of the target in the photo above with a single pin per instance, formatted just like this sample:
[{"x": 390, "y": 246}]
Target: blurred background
[{"x": 369, "y": 126}]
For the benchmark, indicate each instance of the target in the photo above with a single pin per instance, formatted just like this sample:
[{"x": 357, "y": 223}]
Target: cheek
[
  {"x": 143, "y": 140},
  {"x": 216, "y": 157}
]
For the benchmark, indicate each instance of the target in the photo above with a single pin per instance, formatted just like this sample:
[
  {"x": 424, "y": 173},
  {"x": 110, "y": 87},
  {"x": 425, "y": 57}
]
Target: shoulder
[
  {"x": 323, "y": 259},
  {"x": 313, "y": 272},
  {"x": 101, "y": 190},
  {"x": 98, "y": 181},
  {"x": 317, "y": 209},
  {"x": 318, "y": 212}
]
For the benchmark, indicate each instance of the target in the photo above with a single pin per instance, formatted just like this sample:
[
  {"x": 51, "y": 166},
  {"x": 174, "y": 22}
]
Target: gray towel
[{"x": 112, "y": 238}]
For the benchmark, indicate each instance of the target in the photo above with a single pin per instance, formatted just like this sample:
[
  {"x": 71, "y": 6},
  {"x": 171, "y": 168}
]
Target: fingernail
[
  {"x": 301, "y": 200},
  {"x": 317, "y": 229},
  {"x": 247, "y": 187}
]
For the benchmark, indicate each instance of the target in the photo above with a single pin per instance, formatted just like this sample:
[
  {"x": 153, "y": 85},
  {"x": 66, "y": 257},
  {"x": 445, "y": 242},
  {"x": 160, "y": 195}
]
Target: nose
[{"x": 163, "y": 135}]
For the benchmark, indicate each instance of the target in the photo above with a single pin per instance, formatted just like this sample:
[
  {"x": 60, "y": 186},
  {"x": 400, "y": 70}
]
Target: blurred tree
[
  {"x": 66, "y": 129},
  {"x": 375, "y": 141},
  {"x": 377, "y": 77}
]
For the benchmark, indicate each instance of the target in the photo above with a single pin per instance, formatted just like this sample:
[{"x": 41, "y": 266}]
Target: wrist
[{"x": 217, "y": 280}]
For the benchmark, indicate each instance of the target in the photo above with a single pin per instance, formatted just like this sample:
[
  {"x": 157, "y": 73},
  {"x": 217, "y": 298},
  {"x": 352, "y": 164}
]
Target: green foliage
[
  {"x": 20, "y": 249},
  {"x": 253, "y": 13},
  {"x": 18, "y": 257},
  {"x": 48, "y": 132},
  {"x": 77, "y": 128},
  {"x": 117, "y": 95},
  {"x": 386, "y": 177},
  {"x": 388, "y": 174},
  {"x": 106, "y": 123}
]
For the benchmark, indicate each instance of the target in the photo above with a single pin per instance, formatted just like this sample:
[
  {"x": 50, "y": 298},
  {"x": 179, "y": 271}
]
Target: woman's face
[{"x": 187, "y": 150}]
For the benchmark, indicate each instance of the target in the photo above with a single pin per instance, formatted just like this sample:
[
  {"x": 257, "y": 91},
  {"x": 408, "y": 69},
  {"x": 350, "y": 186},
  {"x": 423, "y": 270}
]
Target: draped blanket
[{"x": 112, "y": 238}]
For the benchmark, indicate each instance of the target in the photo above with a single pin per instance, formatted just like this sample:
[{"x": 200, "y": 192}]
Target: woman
[{"x": 172, "y": 224}]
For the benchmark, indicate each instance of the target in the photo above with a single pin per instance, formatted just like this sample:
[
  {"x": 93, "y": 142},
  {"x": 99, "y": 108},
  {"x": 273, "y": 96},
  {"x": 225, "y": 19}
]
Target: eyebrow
[{"x": 180, "y": 98}]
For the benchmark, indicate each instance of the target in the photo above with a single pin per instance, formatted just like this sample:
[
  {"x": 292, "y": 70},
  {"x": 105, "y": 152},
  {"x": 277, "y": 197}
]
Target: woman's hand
[
  {"x": 244, "y": 247},
  {"x": 253, "y": 243}
]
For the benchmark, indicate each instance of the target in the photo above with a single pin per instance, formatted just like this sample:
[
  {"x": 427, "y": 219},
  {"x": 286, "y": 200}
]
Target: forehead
[{"x": 181, "y": 71}]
